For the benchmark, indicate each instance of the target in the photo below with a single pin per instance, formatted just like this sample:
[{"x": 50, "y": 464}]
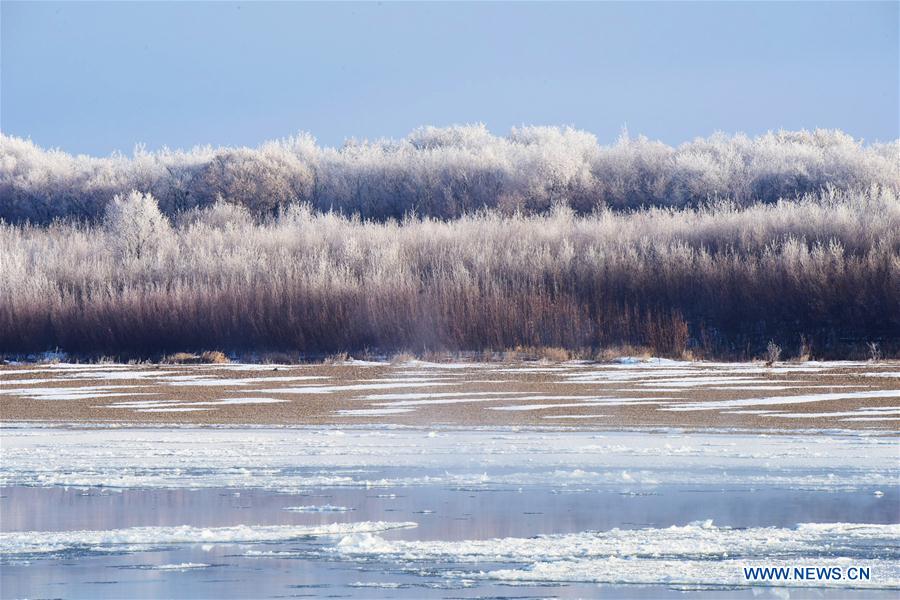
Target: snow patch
[
  {"x": 372, "y": 412},
  {"x": 176, "y": 404},
  {"x": 779, "y": 400},
  {"x": 598, "y": 416},
  {"x": 206, "y": 381},
  {"x": 330, "y": 389},
  {"x": 174, "y": 409}
]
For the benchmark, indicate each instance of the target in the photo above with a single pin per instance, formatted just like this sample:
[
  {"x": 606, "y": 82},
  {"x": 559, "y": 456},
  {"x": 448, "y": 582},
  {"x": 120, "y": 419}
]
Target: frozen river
[{"x": 96, "y": 512}]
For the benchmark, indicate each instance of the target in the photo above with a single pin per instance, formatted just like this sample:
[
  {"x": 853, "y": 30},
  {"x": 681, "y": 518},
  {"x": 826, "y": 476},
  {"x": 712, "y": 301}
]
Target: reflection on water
[{"x": 443, "y": 513}]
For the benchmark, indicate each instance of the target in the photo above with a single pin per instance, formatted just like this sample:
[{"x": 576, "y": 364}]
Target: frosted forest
[{"x": 454, "y": 239}]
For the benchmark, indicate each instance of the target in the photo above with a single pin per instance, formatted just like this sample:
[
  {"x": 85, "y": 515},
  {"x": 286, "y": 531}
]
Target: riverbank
[{"x": 631, "y": 393}]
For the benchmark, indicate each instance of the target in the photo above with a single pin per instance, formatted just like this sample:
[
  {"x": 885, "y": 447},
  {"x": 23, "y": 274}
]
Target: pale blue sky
[{"x": 95, "y": 78}]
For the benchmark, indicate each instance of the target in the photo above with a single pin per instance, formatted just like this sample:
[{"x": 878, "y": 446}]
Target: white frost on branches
[
  {"x": 137, "y": 227},
  {"x": 447, "y": 172}
]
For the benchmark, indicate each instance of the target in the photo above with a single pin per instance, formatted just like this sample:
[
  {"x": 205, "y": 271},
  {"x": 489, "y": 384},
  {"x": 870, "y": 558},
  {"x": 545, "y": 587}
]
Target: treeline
[
  {"x": 720, "y": 280},
  {"x": 446, "y": 173}
]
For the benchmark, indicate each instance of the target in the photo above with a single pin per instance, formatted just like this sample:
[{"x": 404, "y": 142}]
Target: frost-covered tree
[
  {"x": 447, "y": 172},
  {"x": 136, "y": 227},
  {"x": 220, "y": 215}
]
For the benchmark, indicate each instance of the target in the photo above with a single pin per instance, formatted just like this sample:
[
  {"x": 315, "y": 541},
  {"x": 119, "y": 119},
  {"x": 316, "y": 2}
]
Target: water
[
  {"x": 681, "y": 527},
  {"x": 442, "y": 513}
]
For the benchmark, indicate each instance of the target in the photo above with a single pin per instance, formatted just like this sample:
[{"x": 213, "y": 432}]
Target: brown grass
[
  {"x": 213, "y": 357},
  {"x": 609, "y": 353},
  {"x": 543, "y": 353},
  {"x": 208, "y": 357},
  {"x": 181, "y": 358}
]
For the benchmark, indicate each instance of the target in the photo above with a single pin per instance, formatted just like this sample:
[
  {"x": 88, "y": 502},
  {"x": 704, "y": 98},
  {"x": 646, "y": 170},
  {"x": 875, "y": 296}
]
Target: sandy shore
[{"x": 815, "y": 395}]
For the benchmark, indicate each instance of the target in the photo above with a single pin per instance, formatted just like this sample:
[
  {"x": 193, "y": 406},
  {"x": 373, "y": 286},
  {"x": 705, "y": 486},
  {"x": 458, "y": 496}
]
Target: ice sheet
[{"x": 290, "y": 459}]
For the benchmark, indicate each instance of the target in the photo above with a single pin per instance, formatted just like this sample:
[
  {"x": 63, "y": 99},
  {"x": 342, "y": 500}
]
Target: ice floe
[
  {"x": 317, "y": 509},
  {"x": 35, "y": 542},
  {"x": 179, "y": 567},
  {"x": 696, "y": 553}
]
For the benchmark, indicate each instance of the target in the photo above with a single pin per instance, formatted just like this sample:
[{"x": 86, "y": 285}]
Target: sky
[{"x": 101, "y": 77}]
